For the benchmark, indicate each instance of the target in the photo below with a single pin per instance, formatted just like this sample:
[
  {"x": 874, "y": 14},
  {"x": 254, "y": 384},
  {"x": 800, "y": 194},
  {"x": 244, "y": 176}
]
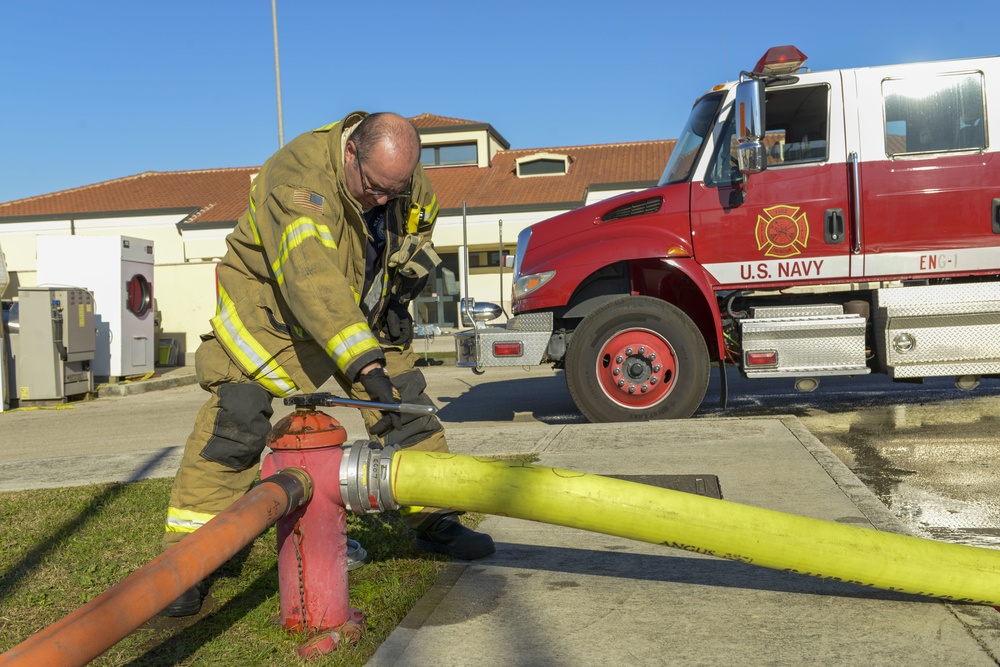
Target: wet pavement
[
  {"x": 935, "y": 465},
  {"x": 930, "y": 451}
]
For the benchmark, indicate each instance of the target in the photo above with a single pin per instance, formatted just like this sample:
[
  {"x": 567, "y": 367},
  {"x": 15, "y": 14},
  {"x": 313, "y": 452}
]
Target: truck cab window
[
  {"x": 932, "y": 114},
  {"x": 688, "y": 146},
  {"x": 797, "y": 128},
  {"x": 796, "y": 133},
  {"x": 724, "y": 171}
]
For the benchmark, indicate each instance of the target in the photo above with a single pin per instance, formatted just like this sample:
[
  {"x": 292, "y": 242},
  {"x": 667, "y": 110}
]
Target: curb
[{"x": 143, "y": 386}]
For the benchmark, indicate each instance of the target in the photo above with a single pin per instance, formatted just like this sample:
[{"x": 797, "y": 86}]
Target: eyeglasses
[{"x": 379, "y": 192}]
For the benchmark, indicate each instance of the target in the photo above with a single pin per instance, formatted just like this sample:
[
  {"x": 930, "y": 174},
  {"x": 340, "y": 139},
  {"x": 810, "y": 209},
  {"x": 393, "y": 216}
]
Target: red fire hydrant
[{"x": 312, "y": 540}]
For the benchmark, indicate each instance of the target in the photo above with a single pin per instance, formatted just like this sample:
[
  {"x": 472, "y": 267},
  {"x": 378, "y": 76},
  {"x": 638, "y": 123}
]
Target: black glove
[
  {"x": 407, "y": 288},
  {"x": 380, "y": 389},
  {"x": 398, "y": 324}
]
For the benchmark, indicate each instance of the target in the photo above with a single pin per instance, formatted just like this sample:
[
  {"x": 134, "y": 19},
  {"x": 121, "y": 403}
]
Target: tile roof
[
  {"x": 498, "y": 186},
  {"x": 428, "y": 120},
  {"x": 220, "y": 195}
]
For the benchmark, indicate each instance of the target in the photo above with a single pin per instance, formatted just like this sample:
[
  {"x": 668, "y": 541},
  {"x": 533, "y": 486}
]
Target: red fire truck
[{"x": 807, "y": 224}]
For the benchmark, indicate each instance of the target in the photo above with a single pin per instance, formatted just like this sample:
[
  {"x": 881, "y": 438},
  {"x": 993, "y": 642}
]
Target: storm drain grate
[{"x": 702, "y": 485}]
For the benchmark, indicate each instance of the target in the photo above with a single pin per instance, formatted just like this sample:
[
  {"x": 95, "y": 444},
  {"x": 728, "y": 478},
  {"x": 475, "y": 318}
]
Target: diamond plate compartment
[
  {"x": 811, "y": 310},
  {"x": 821, "y": 345},
  {"x": 474, "y": 348},
  {"x": 939, "y": 330},
  {"x": 933, "y": 345},
  {"x": 939, "y": 299}
]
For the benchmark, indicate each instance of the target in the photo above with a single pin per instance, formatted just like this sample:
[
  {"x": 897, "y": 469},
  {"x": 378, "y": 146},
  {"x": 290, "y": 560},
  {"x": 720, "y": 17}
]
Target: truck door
[
  {"x": 929, "y": 178},
  {"x": 792, "y": 221}
]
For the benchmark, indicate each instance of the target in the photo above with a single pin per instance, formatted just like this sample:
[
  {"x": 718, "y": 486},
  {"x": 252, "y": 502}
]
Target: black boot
[
  {"x": 188, "y": 604},
  {"x": 448, "y": 536}
]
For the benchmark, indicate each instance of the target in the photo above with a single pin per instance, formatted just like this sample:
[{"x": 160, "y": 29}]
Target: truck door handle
[
  {"x": 833, "y": 225},
  {"x": 996, "y": 216}
]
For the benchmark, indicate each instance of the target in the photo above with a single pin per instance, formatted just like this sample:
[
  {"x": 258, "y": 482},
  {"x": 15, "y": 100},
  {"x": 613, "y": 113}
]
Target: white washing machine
[{"x": 118, "y": 271}]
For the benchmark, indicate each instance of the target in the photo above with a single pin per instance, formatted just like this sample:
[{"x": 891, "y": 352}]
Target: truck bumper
[{"x": 522, "y": 341}]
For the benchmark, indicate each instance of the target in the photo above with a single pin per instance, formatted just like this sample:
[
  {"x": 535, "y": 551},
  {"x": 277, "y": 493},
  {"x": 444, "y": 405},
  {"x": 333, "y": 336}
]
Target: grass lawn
[{"x": 63, "y": 547}]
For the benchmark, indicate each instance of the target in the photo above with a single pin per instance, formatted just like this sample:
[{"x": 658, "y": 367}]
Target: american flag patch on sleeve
[{"x": 309, "y": 200}]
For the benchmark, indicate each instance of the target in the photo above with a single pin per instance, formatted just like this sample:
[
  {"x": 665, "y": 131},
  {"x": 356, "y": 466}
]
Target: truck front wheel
[{"x": 637, "y": 358}]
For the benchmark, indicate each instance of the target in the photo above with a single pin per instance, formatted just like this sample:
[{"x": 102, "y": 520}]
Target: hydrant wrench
[{"x": 329, "y": 400}]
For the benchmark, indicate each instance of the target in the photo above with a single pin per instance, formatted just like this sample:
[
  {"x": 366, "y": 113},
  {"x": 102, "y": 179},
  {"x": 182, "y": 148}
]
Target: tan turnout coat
[{"x": 289, "y": 286}]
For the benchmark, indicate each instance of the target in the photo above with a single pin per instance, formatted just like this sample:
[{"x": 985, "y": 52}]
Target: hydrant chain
[{"x": 297, "y": 542}]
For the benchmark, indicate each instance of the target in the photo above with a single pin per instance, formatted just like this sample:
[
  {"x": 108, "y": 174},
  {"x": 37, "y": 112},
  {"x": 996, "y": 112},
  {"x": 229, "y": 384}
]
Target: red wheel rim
[{"x": 636, "y": 368}]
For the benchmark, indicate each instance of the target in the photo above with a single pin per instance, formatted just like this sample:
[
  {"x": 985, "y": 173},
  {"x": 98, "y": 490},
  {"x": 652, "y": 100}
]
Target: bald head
[
  {"x": 388, "y": 147},
  {"x": 389, "y": 133}
]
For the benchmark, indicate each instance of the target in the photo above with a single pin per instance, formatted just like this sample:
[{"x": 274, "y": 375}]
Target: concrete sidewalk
[{"x": 557, "y": 596}]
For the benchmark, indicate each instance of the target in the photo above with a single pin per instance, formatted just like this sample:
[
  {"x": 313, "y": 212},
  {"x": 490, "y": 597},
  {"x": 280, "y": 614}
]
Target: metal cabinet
[{"x": 56, "y": 343}]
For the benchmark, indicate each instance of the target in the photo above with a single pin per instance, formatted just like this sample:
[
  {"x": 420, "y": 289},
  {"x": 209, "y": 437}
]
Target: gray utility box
[
  {"x": 477, "y": 348},
  {"x": 935, "y": 330},
  {"x": 56, "y": 343},
  {"x": 806, "y": 341}
]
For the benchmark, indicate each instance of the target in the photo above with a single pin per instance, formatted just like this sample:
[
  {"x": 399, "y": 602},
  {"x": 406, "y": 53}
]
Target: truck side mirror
[{"x": 751, "y": 153}]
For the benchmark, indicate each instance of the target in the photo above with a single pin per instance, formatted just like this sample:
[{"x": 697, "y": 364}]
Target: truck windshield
[{"x": 688, "y": 146}]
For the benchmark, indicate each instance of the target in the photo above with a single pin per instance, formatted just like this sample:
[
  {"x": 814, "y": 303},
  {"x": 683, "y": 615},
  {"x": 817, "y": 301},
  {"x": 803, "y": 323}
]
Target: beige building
[{"x": 488, "y": 193}]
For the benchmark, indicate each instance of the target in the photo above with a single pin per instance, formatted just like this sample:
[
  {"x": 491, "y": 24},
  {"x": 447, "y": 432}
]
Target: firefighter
[{"x": 315, "y": 284}]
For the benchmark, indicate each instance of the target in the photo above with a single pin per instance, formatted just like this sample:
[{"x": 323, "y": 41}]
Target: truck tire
[{"x": 637, "y": 358}]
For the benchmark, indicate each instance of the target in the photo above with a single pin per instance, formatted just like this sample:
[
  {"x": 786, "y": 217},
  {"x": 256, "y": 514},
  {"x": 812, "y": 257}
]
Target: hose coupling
[
  {"x": 297, "y": 486},
  {"x": 365, "y": 477}
]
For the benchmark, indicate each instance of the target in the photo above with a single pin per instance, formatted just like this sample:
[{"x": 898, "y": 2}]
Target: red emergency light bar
[{"x": 780, "y": 60}]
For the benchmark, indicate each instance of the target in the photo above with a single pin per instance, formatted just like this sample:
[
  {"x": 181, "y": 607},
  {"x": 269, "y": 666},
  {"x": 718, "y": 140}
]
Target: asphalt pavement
[{"x": 553, "y": 595}]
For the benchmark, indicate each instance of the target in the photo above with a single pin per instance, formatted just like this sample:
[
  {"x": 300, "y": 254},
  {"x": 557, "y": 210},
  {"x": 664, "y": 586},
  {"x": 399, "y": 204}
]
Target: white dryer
[{"x": 118, "y": 271}]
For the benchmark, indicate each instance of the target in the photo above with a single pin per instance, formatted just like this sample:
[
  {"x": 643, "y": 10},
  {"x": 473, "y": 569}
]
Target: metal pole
[
  {"x": 500, "y": 267},
  {"x": 465, "y": 242},
  {"x": 277, "y": 73}
]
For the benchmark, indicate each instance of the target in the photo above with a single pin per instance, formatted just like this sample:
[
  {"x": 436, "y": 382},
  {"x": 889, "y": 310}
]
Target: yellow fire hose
[{"x": 699, "y": 524}]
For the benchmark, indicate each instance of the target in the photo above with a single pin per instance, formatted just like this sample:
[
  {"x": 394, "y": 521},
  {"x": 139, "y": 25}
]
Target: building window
[
  {"x": 934, "y": 113},
  {"x": 542, "y": 164},
  {"x": 486, "y": 258},
  {"x": 449, "y": 155}
]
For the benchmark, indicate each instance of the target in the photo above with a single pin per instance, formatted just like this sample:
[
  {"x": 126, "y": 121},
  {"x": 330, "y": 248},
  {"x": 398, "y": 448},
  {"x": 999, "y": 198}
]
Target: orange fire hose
[{"x": 95, "y": 627}]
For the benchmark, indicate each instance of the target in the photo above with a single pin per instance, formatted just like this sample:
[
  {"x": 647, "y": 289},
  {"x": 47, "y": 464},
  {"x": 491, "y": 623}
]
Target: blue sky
[{"x": 100, "y": 90}]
